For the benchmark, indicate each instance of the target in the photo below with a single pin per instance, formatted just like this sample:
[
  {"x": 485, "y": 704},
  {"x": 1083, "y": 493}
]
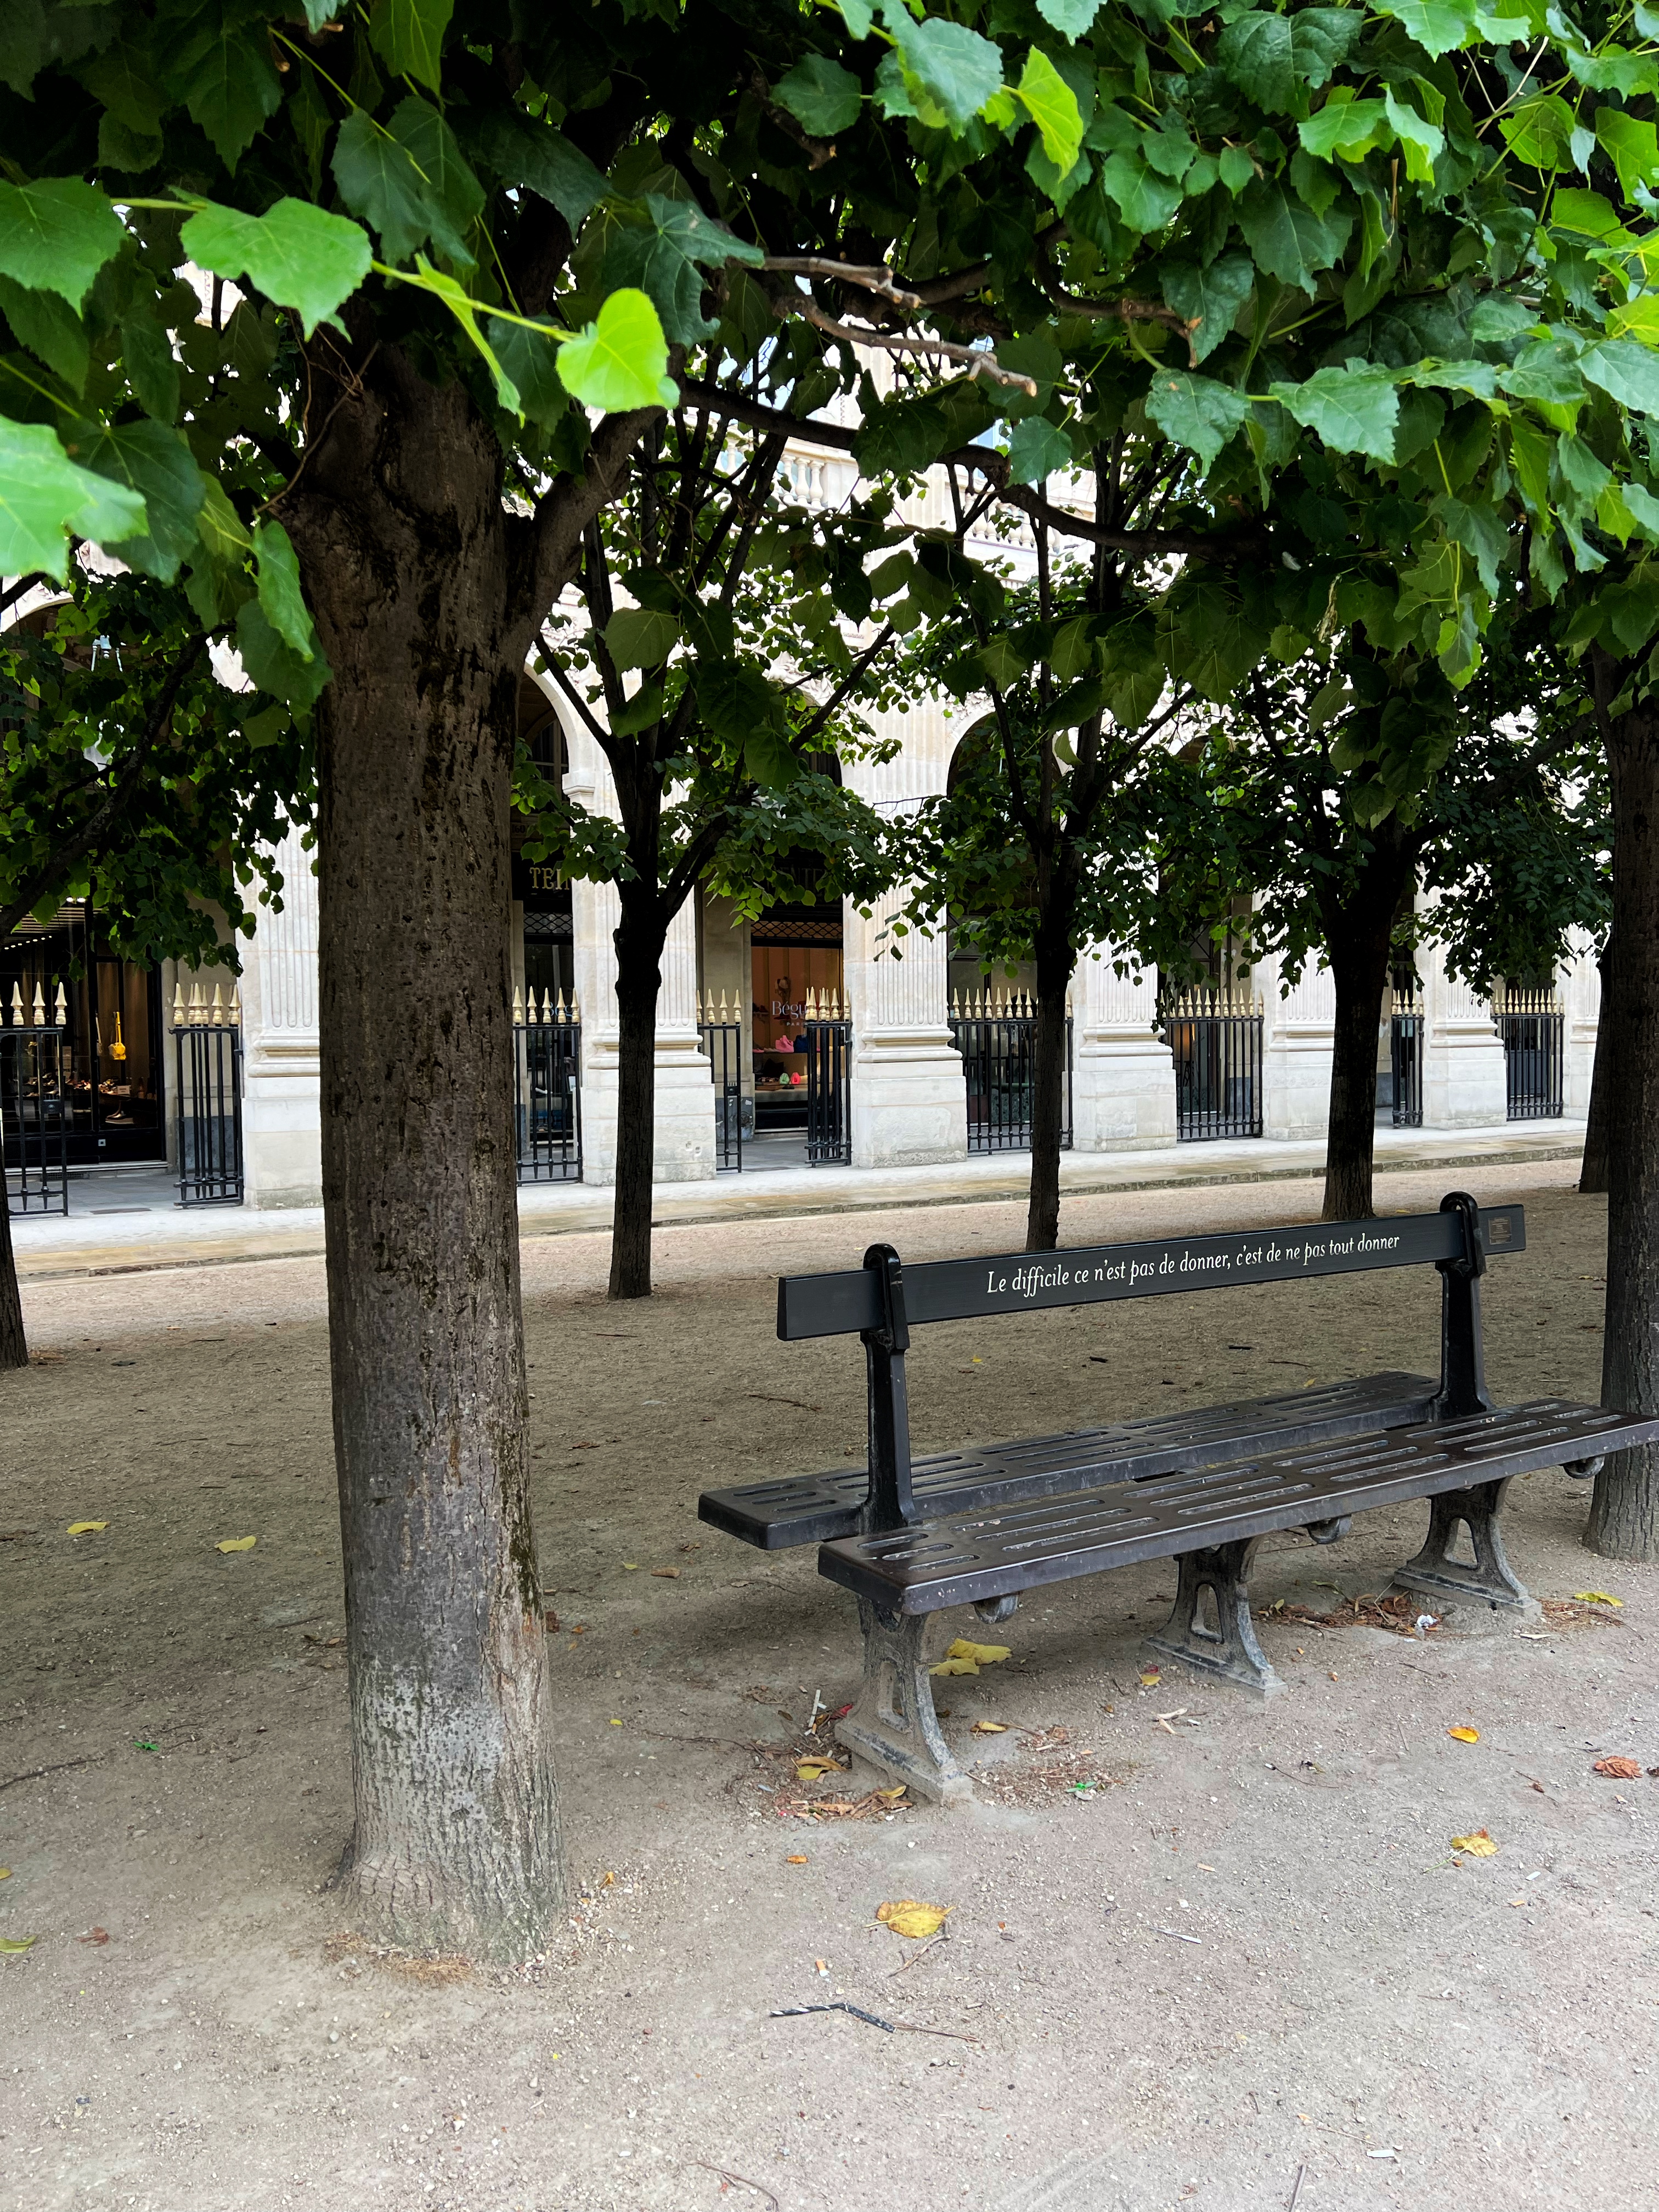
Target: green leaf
[
  {"x": 1071, "y": 18},
  {"x": 272, "y": 662},
  {"x": 1288, "y": 239},
  {"x": 641, "y": 637},
  {"x": 1072, "y": 651},
  {"x": 453, "y": 196},
  {"x": 1208, "y": 299},
  {"x": 146, "y": 355},
  {"x": 532, "y": 154},
  {"x": 1236, "y": 168},
  {"x": 955, "y": 68},
  {"x": 1354, "y": 409},
  {"x": 409, "y": 36},
  {"x": 1344, "y": 128},
  {"x": 1204, "y": 635},
  {"x": 1195, "y": 411},
  {"x": 296, "y": 254},
  {"x": 1422, "y": 141},
  {"x": 1573, "y": 208},
  {"x": 56, "y": 234},
  {"x": 1632, "y": 145},
  {"x": 380, "y": 181},
  {"x": 1003, "y": 661},
  {"x": 45, "y": 323},
  {"x": 1480, "y": 530},
  {"x": 11, "y": 1945},
  {"x": 1052, "y": 106},
  {"x": 43, "y": 494},
  {"x": 1437, "y": 26},
  {"x": 280, "y": 594},
  {"x": 122, "y": 79},
  {"x": 1539, "y": 133},
  {"x": 222, "y": 69},
  {"x": 1643, "y": 510},
  {"x": 1626, "y": 371},
  {"x": 1146, "y": 200},
  {"x": 620, "y": 360},
  {"x": 665, "y": 258},
  {"x": 823, "y": 97},
  {"x": 1546, "y": 370},
  {"x": 154, "y": 461},
  {"x": 1275, "y": 59},
  {"x": 530, "y": 361},
  {"x": 1529, "y": 456},
  {"x": 466, "y": 311},
  {"x": 1036, "y": 448},
  {"x": 1499, "y": 321},
  {"x": 221, "y": 528}
]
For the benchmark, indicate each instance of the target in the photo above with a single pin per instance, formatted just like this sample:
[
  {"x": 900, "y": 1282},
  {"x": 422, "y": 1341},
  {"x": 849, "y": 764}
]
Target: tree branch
[
  {"x": 977, "y": 363},
  {"x": 854, "y": 675}
]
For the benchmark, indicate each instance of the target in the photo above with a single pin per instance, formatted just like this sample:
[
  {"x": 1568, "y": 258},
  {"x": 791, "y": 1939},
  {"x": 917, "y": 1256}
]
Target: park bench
[{"x": 979, "y": 1527}]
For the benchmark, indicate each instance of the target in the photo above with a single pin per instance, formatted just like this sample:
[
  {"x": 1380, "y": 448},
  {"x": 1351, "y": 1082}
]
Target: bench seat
[
  {"x": 973, "y": 1557},
  {"x": 818, "y": 1508}
]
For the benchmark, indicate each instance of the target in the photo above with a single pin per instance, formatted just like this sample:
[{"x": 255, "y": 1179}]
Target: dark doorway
[{"x": 113, "y": 1058}]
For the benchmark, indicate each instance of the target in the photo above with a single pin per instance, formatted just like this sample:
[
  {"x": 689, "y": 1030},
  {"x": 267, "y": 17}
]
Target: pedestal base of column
[
  {"x": 684, "y": 1131},
  {"x": 282, "y": 1128},
  {"x": 1465, "y": 1079},
  {"x": 1296, "y": 1086},
  {"x": 1123, "y": 1094},
  {"x": 909, "y": 1100}
]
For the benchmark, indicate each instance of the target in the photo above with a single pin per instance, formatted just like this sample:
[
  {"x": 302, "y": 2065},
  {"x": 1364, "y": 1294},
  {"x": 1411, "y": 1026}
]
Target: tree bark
[
  {"x": 1624, "y": 1521},
  {"x": 14, "y": 1344},
  {"x": 1055, "y": 959},
  {"x": 639, "y": 938},
  {"x": 400, "y": 527},
  {"x": 1358, "y": 953},
  {"x": 1592, "y": 1172}
]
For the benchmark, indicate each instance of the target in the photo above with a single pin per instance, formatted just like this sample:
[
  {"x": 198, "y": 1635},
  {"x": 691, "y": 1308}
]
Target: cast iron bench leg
[
  {"x": 1490, "y": 1581},
  {"x": 1229, "y": 1651},
  {"x": 892, "y": 1722}
]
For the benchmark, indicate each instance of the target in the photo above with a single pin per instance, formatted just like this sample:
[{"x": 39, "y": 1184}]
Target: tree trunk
[
  {"x": 1357, "y": 949},
  {"x": 399, "y": 522},
  {"x": 14, "y": 1344},
  {"x": 1624, "y": 1520},
  {"x": 638, "y": 940},
  {"x": 1055, "y": 960},
  {"x": 1593, "y": 1173}
]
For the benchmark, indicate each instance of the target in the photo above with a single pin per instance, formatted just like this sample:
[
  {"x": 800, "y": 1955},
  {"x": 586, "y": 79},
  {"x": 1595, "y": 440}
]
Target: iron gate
[
  {"x": 829, "y": 1093},
  {"x": 208, "y": 1043},
  {"x": 997, "y": 1039},
  {"x": 1406, "y": 1051},
  {"x": 1532, "y": 1026},
  {"x": 34, "y": 1123},
  {"x": 722, "y": 1039},
  {"x": 547, "y": 1087},
  {"x": 1216, "y": 1040}
]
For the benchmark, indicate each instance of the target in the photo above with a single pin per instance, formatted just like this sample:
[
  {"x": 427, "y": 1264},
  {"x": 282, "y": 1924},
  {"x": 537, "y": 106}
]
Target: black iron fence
[
  {"x": 1532, "y": 1026},
  {"x": 547, "y": 1086},
  {"x": 1216, "y": 1041},
  {"x": 997, "y": 1039},
  {"x": 829, "y": 1088},
  {"x": 207, "y": 1035},
  {"x": 33, "y": 1116},
  {"x": 722, "y": 1037},
  {"x": 1405, "y": 1053}
]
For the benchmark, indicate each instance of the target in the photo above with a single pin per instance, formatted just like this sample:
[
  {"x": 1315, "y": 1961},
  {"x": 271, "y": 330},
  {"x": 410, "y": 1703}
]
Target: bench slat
[
  {"x": 1020, "y": 1282},
  {"x": 816, "y": 1509},
  {"x": 967, "y": 1556}
]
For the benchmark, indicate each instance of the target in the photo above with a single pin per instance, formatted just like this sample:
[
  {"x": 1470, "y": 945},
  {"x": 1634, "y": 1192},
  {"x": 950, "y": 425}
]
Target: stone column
[
  {"x": 1123, "y": 1090},
  {"x": 1297, "y": 1046},
  {"x": 281, "y": 1131},
  {"x": 1579, "y": 982},
  {"x": 684, "y": 1147},
  {"x": 1464, "y": 1084},
  {"x": 909, "y": 1097}
]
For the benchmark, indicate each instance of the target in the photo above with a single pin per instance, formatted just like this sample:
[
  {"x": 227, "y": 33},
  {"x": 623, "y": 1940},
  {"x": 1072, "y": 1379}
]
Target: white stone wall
[
  {"x": 280, "y": 1083},
  {"x": 1464, "y": 1080},
  {"x": 1298, "y": 1042},
  {"x": 1123, "y": 1091}
]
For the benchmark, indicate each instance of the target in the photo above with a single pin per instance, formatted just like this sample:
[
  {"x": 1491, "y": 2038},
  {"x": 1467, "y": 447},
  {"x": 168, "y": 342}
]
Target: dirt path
[{"x": 1247, "y": 1951}]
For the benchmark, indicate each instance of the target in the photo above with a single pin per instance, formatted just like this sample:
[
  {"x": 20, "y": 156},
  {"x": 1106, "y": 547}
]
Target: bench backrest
[{"x": 851, "y": 1302}]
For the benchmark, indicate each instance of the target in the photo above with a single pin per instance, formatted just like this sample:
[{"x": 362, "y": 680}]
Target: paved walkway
[{"x": 124, "y": 1221}]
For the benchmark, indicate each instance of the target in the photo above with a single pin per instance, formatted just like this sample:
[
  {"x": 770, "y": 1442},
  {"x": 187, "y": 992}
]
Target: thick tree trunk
[
  {"x": 13, "y": 1346},
  {"x": 1357, "y": 949},
  {"x": 638, "y": 940},
  {"x": 1624, "y": 1520},
  {"x": 399, "y": 522},
  {"x": 1055, "y": 960},
  {"x": 1593, "y": 1173}
]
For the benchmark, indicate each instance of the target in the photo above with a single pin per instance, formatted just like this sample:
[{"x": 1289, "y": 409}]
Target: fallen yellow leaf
[
  {"x": 1150, "y": 1677},
  {"x": 608, "y": 1881},
  {"x": 616, "y": 1723},
  {"x": 810, "y": 1769},
  {"x": 5, "y": 1874},
  {"x": 990, "y": 1728},
  {"x": 1480, "y": 1846},
  {"x": 909, "y": 1916},
  {"x": 21, "y": 1943},
  {"x": 982, "y": 1655},
  {"x": 1580, "y": 1597},
  {"x": 237, "y": 1544},
  {"x": 796, "y": 1858},
  {"x": 630, "y": 1566},
  {"x": 1464, "y": 1736},
  {"x": 84, "y": 1528},
  {"x": 892, "y": 1797},
  {"x": 954, "y": 1667}
]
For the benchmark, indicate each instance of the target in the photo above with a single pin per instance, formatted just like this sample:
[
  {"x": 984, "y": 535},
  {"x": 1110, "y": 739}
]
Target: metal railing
[
  {"x": 829, "y": 1085},
  {"x": 547, "y": 1087},
  {"x": 1532, "y": 1026},
  {"x": 722, "y": 1037},
  {"x": 997, "y": 1039},
  {"x": 1405, "y": 1053},
  {"x": 207, "y": 1039},
  {"x": 1216, "y": 1040},
  {"x": 33, "y": 1112}
]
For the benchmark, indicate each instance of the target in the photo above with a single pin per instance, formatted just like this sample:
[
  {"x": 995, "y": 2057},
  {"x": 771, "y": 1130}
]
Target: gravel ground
[{"x": 1241, "y": 1965}]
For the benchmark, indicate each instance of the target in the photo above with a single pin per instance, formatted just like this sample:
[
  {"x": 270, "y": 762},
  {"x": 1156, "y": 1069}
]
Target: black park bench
[{"x": 976, "y": 1527}]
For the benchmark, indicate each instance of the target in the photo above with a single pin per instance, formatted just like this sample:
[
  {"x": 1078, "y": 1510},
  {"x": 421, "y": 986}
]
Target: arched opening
[
  {"x": 968, "y": 984},
  {"x": 543, "y": 928}
]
